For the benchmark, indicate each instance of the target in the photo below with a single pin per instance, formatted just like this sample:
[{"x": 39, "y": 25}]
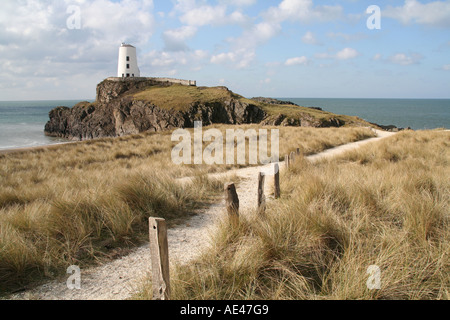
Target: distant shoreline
[{"x": 27, "y": 149}]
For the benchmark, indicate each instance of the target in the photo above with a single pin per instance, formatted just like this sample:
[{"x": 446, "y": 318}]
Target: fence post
[
  {"x": 277, "y": 189},
  {"x": 286, "y": 161},
  {"x": 231, "y": 202},
  {"x": 261, "y": 197},
  {"x": 292, "y": 159},
  {"x": 159, "y": 251}
]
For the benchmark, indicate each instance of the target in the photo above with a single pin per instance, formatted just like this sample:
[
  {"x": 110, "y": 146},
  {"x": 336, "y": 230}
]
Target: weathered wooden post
[
  {"x": 261, "y": 203},
  {"x": 292, "y": 158},
  {"x": 276, "y": 181},
  {"x": 159, "y": 250},
  {"x": 232, "y": 202},
  {"x": 286, "y": 161}
]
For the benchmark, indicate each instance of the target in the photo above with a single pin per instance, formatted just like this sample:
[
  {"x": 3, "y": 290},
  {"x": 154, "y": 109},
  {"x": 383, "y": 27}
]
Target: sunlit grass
[
  {"x": 77, "y": 203},
  {"x": 386, "y": 204}
]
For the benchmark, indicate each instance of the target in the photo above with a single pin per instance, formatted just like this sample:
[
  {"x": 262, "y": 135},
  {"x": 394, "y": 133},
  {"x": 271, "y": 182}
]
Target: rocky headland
[{"x": 124, "y": 107}]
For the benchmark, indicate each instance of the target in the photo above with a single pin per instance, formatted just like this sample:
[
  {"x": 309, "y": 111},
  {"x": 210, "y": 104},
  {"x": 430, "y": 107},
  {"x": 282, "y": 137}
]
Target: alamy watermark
[
  {"x": 374, "y": 21},
  {"x": 73, "y": 22},
  {"x": 74, "y": 281},
  {"x": 215, "y": 153},
  {"x": 374, "y": 280}
]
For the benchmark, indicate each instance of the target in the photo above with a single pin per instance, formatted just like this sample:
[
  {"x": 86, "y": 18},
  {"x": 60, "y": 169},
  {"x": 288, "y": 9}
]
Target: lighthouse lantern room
[{"x": 128, "y": 67}]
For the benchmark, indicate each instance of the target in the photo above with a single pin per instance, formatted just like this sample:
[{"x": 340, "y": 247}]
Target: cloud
[
  {"x": 162, "y": 63},
  {"x": 344, "y": 54},
  {"x": 434, "y": 13},
  {"x": 404, "y": 59},
  {"x": 345, "y": 37},
  {"x": 303, "y": 11},
  {"x": 223, "y": 58},
  {"x": 210, "y": 15},
  {"x": 309, "y": 38},
  {"x": 35, "y": 36},
  {"x": 239, "y": 3},
  {"x": 243, "y": 48},
  {"x": 377, "y": 57},
  {"x": 240, "y": 58},
  {"x": 34, "y": 29},
  {"x": 296, "y": 61},
  {"x": 112, "y": 19},
  {"x": 347, "y": 53},
  {"x": 204, "y": 15},
  {"x": 175, "y": 39},
  {"x": 446, "y": 67}
]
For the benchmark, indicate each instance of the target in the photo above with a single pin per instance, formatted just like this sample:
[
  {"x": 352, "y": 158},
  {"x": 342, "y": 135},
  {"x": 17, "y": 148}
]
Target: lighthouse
[{"x": 127, "y": 67}]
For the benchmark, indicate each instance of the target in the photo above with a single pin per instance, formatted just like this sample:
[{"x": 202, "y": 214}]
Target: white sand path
[{"x": 121, "y": 278}]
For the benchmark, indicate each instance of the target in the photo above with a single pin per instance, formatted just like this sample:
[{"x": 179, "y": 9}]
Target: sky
[{"x": 61, "y": 50}]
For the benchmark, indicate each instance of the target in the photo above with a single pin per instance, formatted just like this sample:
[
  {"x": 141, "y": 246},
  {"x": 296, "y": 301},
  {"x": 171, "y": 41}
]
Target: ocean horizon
[{"x": 22, "y": 122}]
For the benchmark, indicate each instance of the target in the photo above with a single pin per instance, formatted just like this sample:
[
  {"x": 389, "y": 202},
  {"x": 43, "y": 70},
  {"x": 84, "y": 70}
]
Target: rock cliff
[
  {"x": 117, "y": 113},
  {"x": 130, "y": 107}
]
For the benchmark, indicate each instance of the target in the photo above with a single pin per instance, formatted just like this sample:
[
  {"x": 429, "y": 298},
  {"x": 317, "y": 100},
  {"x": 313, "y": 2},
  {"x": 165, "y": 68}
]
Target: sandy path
[{"x": 121, "y": 278}]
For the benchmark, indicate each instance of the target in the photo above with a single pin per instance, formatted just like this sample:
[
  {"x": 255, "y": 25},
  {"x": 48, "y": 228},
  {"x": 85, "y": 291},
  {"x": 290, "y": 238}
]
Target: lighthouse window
[
  {"x": 128, "y": 58},
  {"x": 128, "y": 66}
]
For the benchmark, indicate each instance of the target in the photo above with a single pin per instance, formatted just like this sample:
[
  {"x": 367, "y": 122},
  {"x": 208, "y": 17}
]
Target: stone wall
[{"x": 169, "y": 80}]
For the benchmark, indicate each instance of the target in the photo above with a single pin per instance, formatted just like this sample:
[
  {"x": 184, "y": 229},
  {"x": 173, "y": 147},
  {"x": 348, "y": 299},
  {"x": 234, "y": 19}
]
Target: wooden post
[
  {"x": 298, "y": 151},
  {"x": 231, "y": 201},
  {"x": 261, "y": 204},
  {"x": 292, "y": 159},
  {"x": 159, "y": 251},
  {"x": 286, "y": 161},
  {"x": 276, "y": 180}
]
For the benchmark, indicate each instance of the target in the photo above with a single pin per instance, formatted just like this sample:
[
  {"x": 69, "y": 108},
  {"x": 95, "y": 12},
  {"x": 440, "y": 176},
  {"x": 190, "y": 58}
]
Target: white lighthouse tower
[{"x": 128, "y": 67}]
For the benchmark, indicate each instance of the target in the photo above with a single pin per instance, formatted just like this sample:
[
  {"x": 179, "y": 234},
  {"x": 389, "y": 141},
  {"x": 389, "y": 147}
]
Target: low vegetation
[
  {"x": 386, "y": 204},
  {"x": 294, "y": 112},
  {"x": 82, "y": 203},
  {"x": 181, "y": 98}
]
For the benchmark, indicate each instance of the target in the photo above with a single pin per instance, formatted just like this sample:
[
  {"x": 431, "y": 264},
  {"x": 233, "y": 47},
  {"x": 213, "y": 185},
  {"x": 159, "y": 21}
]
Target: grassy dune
[
  {"x": 386, "y": 204},
  {"x": 85, "y": 202}
]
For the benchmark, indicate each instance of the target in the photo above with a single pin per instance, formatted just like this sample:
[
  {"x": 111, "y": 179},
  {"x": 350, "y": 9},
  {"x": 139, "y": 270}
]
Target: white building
[{"x": 128, "y": 66}]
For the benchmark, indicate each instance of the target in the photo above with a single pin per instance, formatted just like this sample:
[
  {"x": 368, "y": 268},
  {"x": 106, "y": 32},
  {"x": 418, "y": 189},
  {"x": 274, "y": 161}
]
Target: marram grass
[
  {"x": 82, "y": 203},
  {"x": 384, "y": 205}
]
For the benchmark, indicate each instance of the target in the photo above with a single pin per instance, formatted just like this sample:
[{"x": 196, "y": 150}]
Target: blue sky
[{"x": 283, "y": 48}]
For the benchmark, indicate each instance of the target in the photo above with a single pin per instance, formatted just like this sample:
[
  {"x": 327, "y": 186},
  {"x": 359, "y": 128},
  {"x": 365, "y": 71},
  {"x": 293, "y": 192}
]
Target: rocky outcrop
[
  {"x": 108, "y": 90},
  {"x": 302, "y": 120},
  {"x": 281, "y": 102},
  {"x": 273, "y": 101},
  {"x": 390, "y": 128},
  {"x": 116, "y": 113}
]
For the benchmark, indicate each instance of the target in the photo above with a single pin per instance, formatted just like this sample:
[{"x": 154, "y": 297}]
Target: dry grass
[
  {"x": 294, "y": 112},
  {"x": 84, "y": 202},
  {"x": 181, "y": 98},
  {"x": 386, "y": 204}
]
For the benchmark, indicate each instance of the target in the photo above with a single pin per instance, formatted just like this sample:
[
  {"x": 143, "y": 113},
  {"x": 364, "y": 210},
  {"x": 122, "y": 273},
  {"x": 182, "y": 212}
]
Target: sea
[{"x": 22, "y": 122}]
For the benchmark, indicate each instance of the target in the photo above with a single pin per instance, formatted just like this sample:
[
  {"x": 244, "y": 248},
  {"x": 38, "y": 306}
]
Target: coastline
[{"x": 36, "y": 148}]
